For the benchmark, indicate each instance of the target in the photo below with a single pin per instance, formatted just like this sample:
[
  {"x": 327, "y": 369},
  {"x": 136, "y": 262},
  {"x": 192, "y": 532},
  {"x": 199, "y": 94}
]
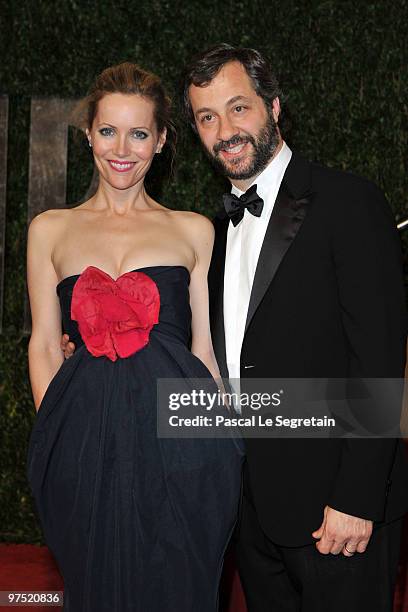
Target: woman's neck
[{"x": 121, "y": 201}]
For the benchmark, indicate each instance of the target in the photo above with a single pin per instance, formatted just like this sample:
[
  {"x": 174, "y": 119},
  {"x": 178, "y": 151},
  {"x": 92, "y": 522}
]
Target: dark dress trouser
[{"x": 300, "y": 579}]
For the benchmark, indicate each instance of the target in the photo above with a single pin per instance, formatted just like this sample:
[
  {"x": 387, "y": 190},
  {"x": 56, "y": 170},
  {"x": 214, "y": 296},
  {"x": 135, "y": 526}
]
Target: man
[{"x": 306, "y": 282}]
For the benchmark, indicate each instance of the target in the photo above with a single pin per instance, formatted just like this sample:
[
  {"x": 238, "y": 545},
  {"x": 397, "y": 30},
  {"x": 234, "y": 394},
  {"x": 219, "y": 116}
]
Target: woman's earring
[{"x": 90, "y": 143}]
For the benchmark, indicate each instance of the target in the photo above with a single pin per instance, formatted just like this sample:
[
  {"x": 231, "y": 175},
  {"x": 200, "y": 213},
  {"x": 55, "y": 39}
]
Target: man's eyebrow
[
  {"x": 231, "y": 101},
  {"x": 236, "y": 99}
]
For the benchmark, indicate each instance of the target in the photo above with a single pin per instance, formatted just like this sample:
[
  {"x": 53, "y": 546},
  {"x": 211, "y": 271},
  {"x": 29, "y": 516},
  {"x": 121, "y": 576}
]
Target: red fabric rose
[{"x": 115, "y": 317}]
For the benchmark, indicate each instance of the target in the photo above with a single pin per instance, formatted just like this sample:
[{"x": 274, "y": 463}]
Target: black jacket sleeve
[{"x": 367, "y": 258}]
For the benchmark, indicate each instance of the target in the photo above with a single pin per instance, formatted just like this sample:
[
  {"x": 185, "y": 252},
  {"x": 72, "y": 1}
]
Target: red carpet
[
  {"x": 31, "y": 568},
  {"x": 28, "y": 568}
]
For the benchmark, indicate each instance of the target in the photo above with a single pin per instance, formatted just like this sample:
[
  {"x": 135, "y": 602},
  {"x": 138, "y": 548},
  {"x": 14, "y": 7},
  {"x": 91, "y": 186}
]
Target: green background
[{"x": 342, "y": 66}]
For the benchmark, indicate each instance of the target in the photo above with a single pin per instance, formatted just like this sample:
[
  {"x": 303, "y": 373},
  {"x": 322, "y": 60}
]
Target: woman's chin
[{"x": 122, "y": 182}]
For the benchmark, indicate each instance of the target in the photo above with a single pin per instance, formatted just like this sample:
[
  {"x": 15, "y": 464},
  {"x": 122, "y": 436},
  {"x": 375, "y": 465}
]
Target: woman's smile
[{"x": 121, "y": 166}]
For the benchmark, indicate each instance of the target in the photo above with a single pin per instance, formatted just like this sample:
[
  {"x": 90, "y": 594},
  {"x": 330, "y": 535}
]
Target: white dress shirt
[{"x": 244, "y": 243}]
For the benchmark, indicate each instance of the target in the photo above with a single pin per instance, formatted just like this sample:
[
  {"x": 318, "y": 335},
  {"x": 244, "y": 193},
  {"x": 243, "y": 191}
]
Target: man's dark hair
[{"x": 205, "y": 66}]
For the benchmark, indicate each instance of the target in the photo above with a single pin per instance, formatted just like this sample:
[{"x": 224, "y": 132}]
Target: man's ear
[{"x": 276, "y": 109}]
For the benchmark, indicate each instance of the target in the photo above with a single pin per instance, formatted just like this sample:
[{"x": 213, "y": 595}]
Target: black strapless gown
[{"x": 136, "y": 523}]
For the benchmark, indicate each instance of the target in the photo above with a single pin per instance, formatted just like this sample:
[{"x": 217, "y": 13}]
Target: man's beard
[{"x": 264, "y": 145}]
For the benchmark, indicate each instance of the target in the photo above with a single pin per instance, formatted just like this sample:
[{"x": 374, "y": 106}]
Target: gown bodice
[{"x": 175, "y": 312}]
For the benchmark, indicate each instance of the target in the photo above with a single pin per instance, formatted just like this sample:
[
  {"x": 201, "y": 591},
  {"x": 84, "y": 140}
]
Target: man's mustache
[{"x": 233, "y": 141}]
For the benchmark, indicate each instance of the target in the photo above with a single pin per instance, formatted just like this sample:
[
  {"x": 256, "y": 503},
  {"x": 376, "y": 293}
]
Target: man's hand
[
  {"x": 341, "y": 532},
  {"x": 67, "y": 347}
]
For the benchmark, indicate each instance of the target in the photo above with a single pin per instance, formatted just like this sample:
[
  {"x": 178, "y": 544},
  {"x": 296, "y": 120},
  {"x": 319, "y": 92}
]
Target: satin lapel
[
  {"x": 286, "y": 218},
  {"x": 216, "y": 289}
]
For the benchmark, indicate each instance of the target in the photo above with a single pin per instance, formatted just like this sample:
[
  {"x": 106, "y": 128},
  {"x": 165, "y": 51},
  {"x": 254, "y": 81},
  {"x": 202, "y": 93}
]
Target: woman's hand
[{"x": 67, "y": 347}]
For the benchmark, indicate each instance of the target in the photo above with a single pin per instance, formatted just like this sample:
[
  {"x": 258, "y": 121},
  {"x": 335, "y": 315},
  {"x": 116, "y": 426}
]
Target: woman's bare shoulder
[
  {"x": 49, "y": 223},
  {"x": 194, "y": 222},
  {"x": 52, "y": 215}
]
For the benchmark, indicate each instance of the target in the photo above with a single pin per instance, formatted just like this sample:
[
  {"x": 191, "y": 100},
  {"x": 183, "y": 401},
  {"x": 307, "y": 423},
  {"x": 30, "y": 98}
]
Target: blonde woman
[{"x": 136, "y": 523}]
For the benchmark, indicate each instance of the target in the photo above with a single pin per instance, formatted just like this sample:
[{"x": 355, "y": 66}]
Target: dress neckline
[{"x": 71, "y": 276}]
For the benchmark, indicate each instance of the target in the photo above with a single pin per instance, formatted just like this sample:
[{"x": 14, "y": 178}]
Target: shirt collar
[{"x": 271, "y": 175}]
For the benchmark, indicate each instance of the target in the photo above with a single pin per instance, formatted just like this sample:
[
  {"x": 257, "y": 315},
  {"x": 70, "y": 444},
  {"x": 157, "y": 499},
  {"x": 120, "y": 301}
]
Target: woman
[{"x": 135, "y": 522}]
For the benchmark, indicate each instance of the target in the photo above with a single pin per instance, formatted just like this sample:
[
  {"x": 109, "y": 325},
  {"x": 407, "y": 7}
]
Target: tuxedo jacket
[{"x": 327, "y": 301}]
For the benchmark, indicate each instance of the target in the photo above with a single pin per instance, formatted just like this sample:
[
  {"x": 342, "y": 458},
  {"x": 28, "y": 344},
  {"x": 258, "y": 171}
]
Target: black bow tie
[{"x": 235, "y": 206}]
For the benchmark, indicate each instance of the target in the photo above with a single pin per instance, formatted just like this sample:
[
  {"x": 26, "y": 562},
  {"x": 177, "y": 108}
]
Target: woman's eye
[
  {"x": 106, "y": 131},
  {"x": 139, "y": 134}
]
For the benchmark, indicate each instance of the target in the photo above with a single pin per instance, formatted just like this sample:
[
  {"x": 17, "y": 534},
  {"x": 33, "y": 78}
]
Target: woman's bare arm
[
  {"x": 202, "y": 233},
  {"x": 44, "y": 352}
]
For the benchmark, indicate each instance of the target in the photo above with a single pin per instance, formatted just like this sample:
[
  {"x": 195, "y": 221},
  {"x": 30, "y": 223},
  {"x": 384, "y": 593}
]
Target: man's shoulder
[
  {"x": 328, "y": 177},
  {"x": 336, "y": 180},
  {"x": 341, "y": 194}
]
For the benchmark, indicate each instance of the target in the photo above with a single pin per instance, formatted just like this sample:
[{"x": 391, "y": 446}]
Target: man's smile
[{"x": 232, "y": 151}]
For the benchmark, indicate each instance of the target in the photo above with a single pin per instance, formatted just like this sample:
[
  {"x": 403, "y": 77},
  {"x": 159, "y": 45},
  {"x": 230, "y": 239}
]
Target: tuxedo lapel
[
  {"x": 216, "y": 291},
  {"x": 286, "y": 219}
]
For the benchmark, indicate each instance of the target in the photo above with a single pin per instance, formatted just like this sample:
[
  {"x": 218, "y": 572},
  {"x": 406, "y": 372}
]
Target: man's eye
[
  {"x": 239, "y": 109},
  {"x": 139, "y": 134},
  {"x": 106, "y": 131},
  {"x": 206, "y": 118}
]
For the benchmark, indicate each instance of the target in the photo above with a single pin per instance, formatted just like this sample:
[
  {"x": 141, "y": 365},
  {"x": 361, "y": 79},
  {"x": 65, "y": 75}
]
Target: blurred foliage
[{"x": 342, "y": 65}]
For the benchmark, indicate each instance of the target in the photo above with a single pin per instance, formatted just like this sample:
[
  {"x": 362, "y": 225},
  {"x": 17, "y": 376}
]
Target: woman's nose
[{"x": 121, "y": 148}]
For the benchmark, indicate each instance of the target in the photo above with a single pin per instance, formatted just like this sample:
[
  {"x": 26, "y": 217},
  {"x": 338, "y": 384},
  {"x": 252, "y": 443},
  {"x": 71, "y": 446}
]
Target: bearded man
[{"x": 305, "y": 282}]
